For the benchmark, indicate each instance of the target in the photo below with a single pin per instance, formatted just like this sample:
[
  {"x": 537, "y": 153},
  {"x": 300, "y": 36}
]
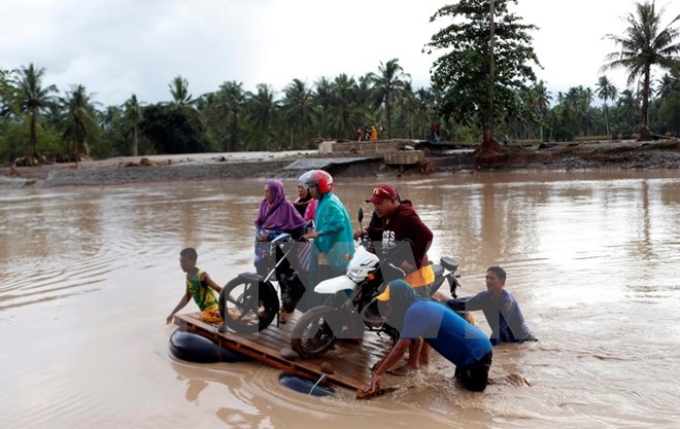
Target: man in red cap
[{"x": 404, "y": 239}]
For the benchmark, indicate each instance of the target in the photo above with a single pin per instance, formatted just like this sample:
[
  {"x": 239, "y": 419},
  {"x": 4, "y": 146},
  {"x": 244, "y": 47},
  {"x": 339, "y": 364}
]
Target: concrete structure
[
  {"x": 403, "y": 157},
  {"x": 325, "y": 163}
]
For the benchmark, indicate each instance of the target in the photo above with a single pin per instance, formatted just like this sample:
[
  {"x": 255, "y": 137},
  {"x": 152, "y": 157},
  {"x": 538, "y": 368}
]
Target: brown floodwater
[{"x": 88, "y": 276}]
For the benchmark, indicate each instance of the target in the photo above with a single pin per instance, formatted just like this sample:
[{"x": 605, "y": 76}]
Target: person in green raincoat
[{"x": 332, "y": 234}]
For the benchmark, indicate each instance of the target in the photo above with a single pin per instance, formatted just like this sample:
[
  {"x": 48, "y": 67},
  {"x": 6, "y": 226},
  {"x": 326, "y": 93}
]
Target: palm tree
[
  {"x": 645, "y": 44},
  {"x": 343, "y": 109},
  {"x": 33, "y": 99},
  {"x": 628, "y": 106},
  {"x": 363, "y": 96},
  {"x": 388, "y": 82},
  {"x": 263, "y": 110},
  {"x": 425, "y": 100},
  {"x": 232, "y": 101},
  {"x": 665, "y": 85},
  {"x": 541, "y": 99},
  {"x": 80, "y": 122},
  {"x": 179, "y": 89},
  {"x": 324, "y": 99},
  {"x": 6, "y": 92},
  {"x": 407, "y": 107},
  {"x": 133, "y": 117},
  {"x": 300, "y": 109},
  {"x": 606, "y": 91}
]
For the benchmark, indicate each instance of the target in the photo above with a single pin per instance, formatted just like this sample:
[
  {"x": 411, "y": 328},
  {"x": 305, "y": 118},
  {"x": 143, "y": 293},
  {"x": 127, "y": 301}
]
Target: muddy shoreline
[{"x": 565, "y": 156}]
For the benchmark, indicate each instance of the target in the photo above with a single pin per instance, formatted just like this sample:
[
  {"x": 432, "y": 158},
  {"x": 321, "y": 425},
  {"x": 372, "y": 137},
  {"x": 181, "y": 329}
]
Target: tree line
[{"x": 483, "y": 84}]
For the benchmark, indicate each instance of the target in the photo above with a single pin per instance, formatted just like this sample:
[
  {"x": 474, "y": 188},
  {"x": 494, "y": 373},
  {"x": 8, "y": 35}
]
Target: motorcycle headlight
[{"x": 356, "y": 275}]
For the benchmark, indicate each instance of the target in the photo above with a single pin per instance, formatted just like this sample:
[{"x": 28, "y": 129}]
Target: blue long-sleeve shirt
[{"x": 503, "y": 315}]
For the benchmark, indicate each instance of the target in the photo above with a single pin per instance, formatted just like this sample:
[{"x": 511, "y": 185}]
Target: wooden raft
[{"x": 351, "y": 362}]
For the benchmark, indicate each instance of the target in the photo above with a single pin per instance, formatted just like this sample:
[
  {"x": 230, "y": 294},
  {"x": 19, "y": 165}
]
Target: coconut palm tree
[
  {"x": 323, "y": 92},
  {"x": 645, "y": 44},
  {"x": 183, "y": 101},
  {"x": 33, "y": 99},
  {"x": 133, "y": 117},
  {"x": 424, "y": 103},
  {"x": 388, "y": 83},
  {"x": 300, "y": 112},
  {"x": 263, "y": 111},
  {"x": 7, "y": 91},
  {"x": 541, "y": 103},
  {"x": 665, "y": 85},
  {"x": 629, "y": 107},
  {"x": 232, "y": 101},
  {"x": 364, "y": 93},
  {"x": 179, "y": 89},
  {"x": 80, "y": 121},
  {"x": 343, "y": 110},
  {"x": 606, "y": 91},
  {"x": 407, "y": 105}
]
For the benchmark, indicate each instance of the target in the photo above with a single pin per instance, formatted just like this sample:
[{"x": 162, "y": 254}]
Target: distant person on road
[
  {"x": 437, "y": 129},
  {"x": 199, "y": 286}
]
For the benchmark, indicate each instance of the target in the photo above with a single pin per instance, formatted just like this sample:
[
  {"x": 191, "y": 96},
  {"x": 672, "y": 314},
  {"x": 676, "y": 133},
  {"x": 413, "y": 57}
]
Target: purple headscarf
[{"x": 280, "y": 214}]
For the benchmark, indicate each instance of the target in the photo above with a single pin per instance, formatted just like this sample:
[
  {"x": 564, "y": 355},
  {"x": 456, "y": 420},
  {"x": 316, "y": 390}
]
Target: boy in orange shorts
[{"x": 199, "y": 286}]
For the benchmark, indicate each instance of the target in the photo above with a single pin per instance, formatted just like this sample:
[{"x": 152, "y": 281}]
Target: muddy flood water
[{"x": 88, "y": 276}]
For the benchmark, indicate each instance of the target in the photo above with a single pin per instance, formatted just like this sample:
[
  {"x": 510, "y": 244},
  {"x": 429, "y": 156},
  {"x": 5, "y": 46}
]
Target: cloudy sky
[{"x": 119, "y": 47}]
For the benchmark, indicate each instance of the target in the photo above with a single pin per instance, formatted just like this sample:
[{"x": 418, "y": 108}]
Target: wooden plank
[{"x": 351, "y": 362}]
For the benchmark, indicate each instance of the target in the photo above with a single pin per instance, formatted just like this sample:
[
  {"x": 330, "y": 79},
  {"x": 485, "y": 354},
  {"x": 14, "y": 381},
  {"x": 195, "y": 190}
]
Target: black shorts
[{"x": 475, "y": 376}]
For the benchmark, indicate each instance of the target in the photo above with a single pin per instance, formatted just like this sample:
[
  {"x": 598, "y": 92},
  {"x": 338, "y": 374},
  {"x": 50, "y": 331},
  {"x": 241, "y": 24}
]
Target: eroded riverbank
[{"x": 166, "y": 168}]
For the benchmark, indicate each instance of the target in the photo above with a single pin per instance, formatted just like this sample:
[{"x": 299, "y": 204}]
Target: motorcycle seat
[{"x": 449, "y": 263}]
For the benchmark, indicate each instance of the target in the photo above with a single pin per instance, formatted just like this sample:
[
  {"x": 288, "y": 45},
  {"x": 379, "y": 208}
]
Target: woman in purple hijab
[{"x": 276, "y": 215}]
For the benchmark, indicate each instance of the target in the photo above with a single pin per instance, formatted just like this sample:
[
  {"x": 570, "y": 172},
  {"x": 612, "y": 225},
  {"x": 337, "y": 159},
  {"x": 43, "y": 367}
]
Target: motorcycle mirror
[{"x": 361, "y": 214}]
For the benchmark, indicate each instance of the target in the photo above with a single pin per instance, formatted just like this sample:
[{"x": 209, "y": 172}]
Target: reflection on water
[{"x": 88, "y": 276}]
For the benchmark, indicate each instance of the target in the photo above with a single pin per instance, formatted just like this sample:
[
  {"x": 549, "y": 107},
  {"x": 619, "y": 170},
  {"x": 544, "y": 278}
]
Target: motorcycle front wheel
[
  {"x": 313, "y": 333},
  {"x": 248, "y": 306}
]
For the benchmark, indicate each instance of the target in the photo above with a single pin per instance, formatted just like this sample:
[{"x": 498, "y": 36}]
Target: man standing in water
[{"x": 500, "y": 309}]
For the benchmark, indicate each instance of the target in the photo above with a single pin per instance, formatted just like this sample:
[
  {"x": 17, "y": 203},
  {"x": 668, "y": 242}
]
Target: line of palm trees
[
  {"x": 574, "y": 115},
  {"x": 237, "y": 119},
  {"x": 35, "y": 119},
  {"x": 233, "y": 118}
]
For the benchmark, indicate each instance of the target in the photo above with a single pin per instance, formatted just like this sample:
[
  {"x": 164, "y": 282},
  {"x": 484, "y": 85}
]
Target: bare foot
[{"x": 403, "y": 370}]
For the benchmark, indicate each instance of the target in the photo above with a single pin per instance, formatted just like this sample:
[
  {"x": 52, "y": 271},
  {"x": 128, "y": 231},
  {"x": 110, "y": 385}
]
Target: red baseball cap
[{"x": 382, "y": 193}]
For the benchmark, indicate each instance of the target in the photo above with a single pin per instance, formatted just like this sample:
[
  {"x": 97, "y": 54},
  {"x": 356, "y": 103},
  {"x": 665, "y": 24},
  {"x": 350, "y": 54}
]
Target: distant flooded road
[{"x": 88, "y": 276}]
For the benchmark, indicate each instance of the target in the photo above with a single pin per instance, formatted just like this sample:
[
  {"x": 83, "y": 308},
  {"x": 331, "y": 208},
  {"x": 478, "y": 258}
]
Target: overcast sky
[{"x": 119, "y": 47}]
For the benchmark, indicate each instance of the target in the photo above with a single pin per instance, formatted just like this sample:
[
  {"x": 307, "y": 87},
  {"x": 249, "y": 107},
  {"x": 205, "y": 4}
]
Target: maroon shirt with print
[{"x": 403, "y": 225}]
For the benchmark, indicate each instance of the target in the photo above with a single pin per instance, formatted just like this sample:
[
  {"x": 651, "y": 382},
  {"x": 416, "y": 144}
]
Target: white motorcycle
[{"x": 353, "y": 306}]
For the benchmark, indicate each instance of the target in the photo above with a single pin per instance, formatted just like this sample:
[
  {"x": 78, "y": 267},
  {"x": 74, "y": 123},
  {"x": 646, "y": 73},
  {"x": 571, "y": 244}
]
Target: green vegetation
[
  {"x": 483, "y": 87},
  {"x": 485, "y": 76},
  {"x": 645, "y": 44}
]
